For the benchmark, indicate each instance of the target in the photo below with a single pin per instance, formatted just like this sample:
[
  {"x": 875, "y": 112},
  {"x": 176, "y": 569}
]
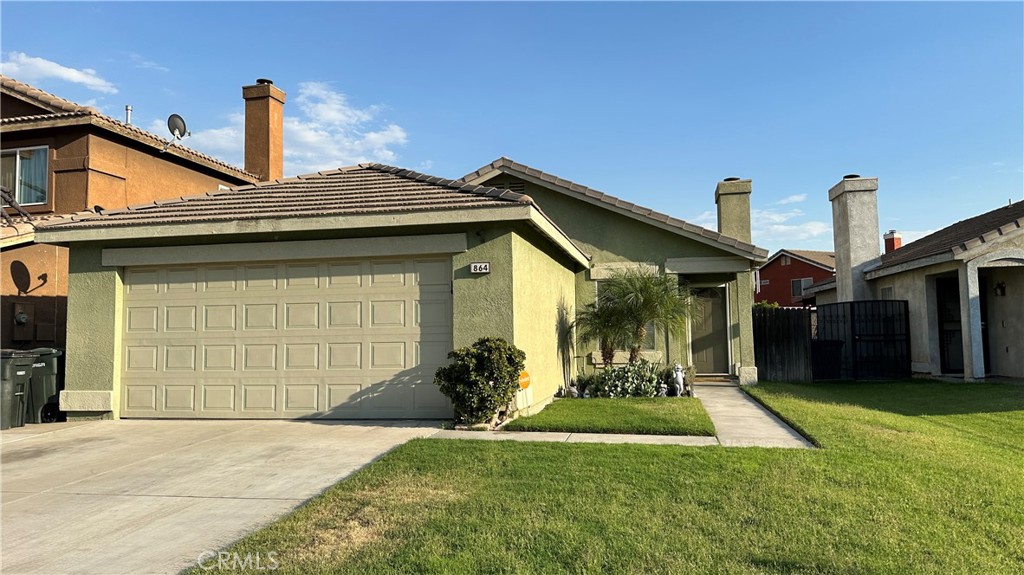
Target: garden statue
[
  {"x": 678, "y": 381},
  {"x": 663, "y": 389}
]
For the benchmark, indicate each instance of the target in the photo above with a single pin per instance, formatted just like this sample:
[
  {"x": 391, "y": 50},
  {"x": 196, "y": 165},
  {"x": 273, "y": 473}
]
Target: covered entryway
[{"x": 337, "y": 339}]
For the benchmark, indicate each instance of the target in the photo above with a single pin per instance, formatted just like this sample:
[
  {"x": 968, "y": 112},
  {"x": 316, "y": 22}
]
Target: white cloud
[
  {"x": 31, "y": 69},
  {"x": 773, "y": 229},
  {"x": 326, "y": 133},
  {"x": 139, "y": 61},
  {"x": 794, "y": 199}
]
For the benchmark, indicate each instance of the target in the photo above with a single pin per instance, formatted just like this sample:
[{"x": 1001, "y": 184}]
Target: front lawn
[
  {"x": 913, "y": 478},
  {"x": 634, "y": 415}
]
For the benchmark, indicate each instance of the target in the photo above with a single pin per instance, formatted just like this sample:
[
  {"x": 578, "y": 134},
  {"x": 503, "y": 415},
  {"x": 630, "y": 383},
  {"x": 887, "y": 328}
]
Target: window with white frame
[
  {"x": 649, "y": 339},
  {"x": 887, "y": 292},
  {"x": 800, "y": 285},
  {"x": 24, "y": 172}
]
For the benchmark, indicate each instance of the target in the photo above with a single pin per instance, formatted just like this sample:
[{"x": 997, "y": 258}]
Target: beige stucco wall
[
  {"x": 543, "y": 295},
  {"x": 913, "y": 286},
  {"x": 1006, "y": 322}
]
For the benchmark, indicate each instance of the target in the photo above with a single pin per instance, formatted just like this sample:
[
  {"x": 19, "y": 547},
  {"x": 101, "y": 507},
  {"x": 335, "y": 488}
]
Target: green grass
[
  {"x": 635, "y": 415},
  {"x": 912, "y": 478}
]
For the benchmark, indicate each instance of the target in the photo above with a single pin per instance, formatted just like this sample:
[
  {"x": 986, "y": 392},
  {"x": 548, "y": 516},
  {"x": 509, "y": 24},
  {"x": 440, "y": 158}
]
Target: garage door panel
[
  {"x": 301, "y": 356},
  {"x": 257, "y": 397},
  {"x": 331, "y": 339},
  {"x": 260, "y": 278},
  {"x": 219, "y": 399},
  {"x": 179, "y": 398}
]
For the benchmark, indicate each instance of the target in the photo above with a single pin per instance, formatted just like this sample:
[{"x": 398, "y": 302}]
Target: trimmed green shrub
[{"x": 482, "y": 379}]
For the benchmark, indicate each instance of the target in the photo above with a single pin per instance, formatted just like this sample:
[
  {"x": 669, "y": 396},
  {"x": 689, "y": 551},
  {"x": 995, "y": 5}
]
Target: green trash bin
[
  {"x": 16, "y": 366},
  {"x": 43, "y": 397}
]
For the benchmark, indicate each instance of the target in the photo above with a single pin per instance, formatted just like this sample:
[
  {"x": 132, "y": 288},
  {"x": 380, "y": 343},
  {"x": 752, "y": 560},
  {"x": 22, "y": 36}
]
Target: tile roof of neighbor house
[
  {"x": 505, "y": 164},
  {"x": 362, "y": 189},
  {"x": 960, "y": 236},
  {"x": 64, "y": 112},
  {"x": 819, "y": 258}
]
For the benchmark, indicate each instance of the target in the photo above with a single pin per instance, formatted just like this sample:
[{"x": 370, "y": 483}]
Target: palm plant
[
  {"x": 604, "y": 324},
  {"x": 637, "y": 298}
]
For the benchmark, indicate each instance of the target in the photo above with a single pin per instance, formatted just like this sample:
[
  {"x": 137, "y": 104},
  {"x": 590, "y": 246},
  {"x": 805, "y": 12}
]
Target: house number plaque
[{"x": 480, "y": 268}]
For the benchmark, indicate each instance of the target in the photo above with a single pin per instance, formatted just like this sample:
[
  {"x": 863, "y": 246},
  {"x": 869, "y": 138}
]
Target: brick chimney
[
  {"x": 264, "y": 130},
  {"x": 893, "y": 241},
  {"x": 855, "y": 227},
  {"x": 732, "y": 195}
]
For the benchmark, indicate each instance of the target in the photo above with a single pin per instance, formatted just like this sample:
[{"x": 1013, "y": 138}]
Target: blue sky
[{"x": 652, "y": 102}]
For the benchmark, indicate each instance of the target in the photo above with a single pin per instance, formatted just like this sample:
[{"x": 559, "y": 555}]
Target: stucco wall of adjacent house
[
  {"x": 121, "y": 174},
  {"x": 1006, "y": 322},
  {"x": 90, "y": 169},
  {"x": 42, "y": 269},
  {"x": 914, "y": 286},
  {"x": 543, "y": 295}
]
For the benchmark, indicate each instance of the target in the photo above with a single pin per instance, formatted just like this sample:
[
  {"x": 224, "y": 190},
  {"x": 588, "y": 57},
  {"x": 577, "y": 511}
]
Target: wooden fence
[{"x": 782, "y": 344}]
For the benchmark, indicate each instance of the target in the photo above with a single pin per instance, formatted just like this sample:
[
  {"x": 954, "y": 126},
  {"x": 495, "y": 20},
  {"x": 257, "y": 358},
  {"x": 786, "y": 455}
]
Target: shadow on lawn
[{"x": 917, "y": 397}]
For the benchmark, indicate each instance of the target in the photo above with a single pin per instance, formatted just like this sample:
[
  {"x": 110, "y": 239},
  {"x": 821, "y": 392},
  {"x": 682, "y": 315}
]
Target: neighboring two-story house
[
  {"x": 60, "y": 158},
  {"x": 785, "y": 276}
]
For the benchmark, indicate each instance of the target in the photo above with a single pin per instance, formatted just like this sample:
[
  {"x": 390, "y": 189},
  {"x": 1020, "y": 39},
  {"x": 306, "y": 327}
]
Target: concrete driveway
[{"x": 142, "y": 496}]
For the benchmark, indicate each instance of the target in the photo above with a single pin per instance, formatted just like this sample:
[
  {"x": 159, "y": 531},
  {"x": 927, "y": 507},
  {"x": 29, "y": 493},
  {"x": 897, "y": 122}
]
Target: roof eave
[{"x": 485, "y": 173}]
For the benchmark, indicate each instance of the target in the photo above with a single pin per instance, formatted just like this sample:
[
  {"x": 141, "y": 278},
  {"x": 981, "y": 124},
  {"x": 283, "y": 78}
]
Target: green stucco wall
[
  {"x": 482, "y": 303},
  {"x": 609, "y": 237},
  {"x": 94, "y": 326},
  {"x": 543, "y": 295}
]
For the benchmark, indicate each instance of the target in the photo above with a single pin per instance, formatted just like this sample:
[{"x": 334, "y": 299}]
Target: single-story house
[
  {"x": 338, "y": 294},
  {"x": 964, "y": 283}
]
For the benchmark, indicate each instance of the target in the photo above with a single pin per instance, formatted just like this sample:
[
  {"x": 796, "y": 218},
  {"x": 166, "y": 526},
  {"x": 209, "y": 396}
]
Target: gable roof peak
[{"x": 505, "y": 164}]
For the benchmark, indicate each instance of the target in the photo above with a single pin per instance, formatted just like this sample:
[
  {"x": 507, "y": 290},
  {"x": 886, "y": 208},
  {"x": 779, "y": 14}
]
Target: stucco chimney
[
  {"x": 855, "y": 227},
  {"x": 893, "y": 241},
  {"x": 732, "y": 195},
  {"x": 264, "y": 129}
]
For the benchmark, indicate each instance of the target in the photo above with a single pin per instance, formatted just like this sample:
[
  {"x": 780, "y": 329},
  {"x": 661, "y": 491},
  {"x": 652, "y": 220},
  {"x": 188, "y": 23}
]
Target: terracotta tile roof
[
  {"x": 64, "y": 110},
  {"x": 503, "y": 164},
  {"x": 960, "y": 236},
  {"x": 363, "y": 189},
  {"x": 820, "y": 258},
  {"x": 23, "y": 230},
  {"x": 40, "y": 98}
]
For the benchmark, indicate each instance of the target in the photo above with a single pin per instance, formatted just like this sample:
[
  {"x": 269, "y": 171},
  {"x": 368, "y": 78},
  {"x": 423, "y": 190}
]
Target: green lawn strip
[
  {"x": 930, "y": 483},
  {"x": 632, "y": 415}
]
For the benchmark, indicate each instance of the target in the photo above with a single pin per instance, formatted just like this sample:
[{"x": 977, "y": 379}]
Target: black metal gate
[{"x": 862, "y": 340}]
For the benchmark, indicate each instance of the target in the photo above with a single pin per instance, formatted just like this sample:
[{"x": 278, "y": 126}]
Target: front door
[
  {"x": 951, "y": 346},
  {"x": 710, "y": 334}
]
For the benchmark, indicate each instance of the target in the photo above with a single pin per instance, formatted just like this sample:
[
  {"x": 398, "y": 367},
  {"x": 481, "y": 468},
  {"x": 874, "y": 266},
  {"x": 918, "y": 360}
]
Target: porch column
[{"x": 970, "y": 320}]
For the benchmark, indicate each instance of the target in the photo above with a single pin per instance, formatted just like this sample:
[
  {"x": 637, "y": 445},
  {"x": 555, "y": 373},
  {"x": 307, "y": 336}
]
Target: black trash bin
[
  {"x": 16, "y": 366},
  {"x": 43, "y": 397}
]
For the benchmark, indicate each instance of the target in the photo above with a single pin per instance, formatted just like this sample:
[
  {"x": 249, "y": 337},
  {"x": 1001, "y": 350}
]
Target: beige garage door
[{"x": 327, "y": 339}]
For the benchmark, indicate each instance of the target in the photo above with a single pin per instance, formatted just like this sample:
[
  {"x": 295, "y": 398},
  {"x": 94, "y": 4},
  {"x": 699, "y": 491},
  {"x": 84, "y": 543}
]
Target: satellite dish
[{"x": 176, "y": 125}]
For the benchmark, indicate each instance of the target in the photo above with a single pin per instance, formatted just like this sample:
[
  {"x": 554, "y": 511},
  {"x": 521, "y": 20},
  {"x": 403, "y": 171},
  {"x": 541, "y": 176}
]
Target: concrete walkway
[
  {"x": 742, "y": 422},
  {"x": 739, "y": 421}
]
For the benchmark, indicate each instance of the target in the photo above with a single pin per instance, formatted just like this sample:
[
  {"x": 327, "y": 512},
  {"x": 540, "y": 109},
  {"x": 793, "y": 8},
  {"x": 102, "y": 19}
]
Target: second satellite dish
[{"x": 176, "y": 125}]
